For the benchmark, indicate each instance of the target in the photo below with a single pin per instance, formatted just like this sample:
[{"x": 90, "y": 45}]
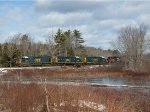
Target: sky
[{"x": 98, "y": 21}]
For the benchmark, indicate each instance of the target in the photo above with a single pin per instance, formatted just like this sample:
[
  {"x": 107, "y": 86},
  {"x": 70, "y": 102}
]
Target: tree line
[
  {"x": 131, "y": 44},
  {"x": 63, "y": 43}
]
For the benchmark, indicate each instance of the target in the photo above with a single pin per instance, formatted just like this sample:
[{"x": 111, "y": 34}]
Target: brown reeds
[
  {"x": 70, "y": 72},
  {"x": 19, "y": 97},
  {"x": 31, "y": 98}
]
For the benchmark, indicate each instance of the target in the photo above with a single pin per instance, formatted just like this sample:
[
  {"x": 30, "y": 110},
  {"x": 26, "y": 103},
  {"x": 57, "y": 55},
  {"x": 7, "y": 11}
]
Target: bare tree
[
  {"x": 132, "y": 43},
  {"x": 26, "y": 45},
  {"x": 50, "y": 44}
]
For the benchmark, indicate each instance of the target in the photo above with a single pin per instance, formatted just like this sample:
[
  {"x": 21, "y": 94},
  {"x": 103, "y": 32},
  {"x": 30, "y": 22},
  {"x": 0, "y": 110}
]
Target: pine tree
[
  {"x": 60, "y": 42},
  {"x": 5, "y": 59},
  {"x": 79, "y": 48},
  {"x": 69, "y": 43},
  {"x": 10, "y": 54}
]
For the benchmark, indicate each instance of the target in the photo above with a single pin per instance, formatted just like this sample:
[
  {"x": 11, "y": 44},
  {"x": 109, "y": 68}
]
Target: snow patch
[
  {"x": 92, "y": 105},
  {"x": 88, "y": 104},
  {"x": 2, "y": 71},
  {"x": 62, "y": 104},
  {"x": 91, "y": 67}
]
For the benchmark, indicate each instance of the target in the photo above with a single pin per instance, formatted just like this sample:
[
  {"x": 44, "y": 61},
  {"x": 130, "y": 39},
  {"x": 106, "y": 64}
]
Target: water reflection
[
  {"x": 120, "y": 81},
  {"x": 101, "y": 81}
]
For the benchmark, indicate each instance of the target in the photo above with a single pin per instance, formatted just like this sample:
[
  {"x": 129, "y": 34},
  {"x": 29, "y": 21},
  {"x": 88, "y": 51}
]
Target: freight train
[{"x": 60, "y": 60}]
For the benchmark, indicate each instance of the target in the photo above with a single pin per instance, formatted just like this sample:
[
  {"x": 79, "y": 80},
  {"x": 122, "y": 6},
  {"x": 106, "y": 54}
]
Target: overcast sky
[{"x": 98, "y": 21}]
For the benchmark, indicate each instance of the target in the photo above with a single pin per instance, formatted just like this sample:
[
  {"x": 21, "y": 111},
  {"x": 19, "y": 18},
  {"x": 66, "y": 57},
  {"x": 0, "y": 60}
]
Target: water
[
  {"x": 138, "y": 82},
  {"x": 121, "y": 81}
]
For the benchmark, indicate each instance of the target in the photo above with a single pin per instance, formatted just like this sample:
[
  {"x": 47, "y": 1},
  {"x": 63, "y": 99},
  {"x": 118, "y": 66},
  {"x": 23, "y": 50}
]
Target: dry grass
[
  {"x": 17, "y": 97},
  {"x": 146, "y": 66},
  {"x": 70, "y": 72},
  {"x": 31, "y": 98}
]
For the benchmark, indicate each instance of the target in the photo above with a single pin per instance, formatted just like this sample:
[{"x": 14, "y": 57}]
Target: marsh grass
[
  {"x": 31, "y": 98},
  {"x": 74, "y": 72}
]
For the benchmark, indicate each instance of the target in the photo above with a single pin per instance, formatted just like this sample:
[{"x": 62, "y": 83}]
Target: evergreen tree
[
  {"x": 5, "y": 59},
  {"x": 79, "y": 48},
  {"x": 69, "y": 43},
  {"x": 10, "y": 54},
  {"x": 60, "y": 42}
]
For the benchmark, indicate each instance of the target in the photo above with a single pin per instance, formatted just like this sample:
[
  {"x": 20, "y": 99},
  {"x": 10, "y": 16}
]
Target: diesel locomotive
[{"x": 60, "y": 60}]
